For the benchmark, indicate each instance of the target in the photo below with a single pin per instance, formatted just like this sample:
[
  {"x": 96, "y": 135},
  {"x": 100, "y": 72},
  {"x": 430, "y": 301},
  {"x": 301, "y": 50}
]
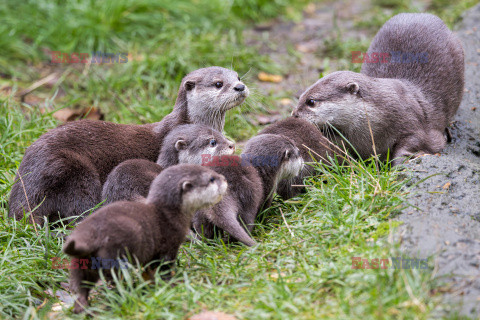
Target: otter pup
[
  {"x": 131, "y": 179},
  {"x": 313, "y": 146},
  {"x": 148, "y": 231},
  {"x": 252, "y": 181},
  {"x": 63, "y": 171},
  {"x": 405, "y": 105}
]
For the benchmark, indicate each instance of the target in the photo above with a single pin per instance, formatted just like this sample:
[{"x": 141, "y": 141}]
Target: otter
[
  {"x": 131, "y": 179},
  {"x": 252, "y": 180},
  {"x": 62, "y": 173},
  {"x": 147, "y": 231},
  {"x": 403, "y": 106},
  {"x": 313, "y": 146}
]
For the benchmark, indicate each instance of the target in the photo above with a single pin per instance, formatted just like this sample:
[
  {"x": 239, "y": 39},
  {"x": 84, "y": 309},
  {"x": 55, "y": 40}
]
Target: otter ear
[
  {"x": 180, "y": 144},
  {"x": 189, "y": 85},
  {"x": 187, "y": 185},
  {"x": 353, "y": 88},
  {"x": 287, "y": 154}
]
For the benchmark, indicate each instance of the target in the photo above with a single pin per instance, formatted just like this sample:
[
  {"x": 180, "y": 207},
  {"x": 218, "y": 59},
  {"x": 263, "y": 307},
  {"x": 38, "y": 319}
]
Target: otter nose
[
  {"x": 295, "y": 113},
  {"x": 231, "y": 146},
  {"x": 239, "y": 87}
]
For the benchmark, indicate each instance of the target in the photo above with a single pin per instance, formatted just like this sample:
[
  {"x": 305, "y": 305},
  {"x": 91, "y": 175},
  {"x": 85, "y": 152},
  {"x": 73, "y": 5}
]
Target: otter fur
[
  {"x": 131, "y": 179},
  {"x": 401, "y": 107},
  {"x": 313, "y": 146},
  {"x": 62, "y": 173},
  {"x": 252, "y": 181},
  {"x": 146, "y": 231}
]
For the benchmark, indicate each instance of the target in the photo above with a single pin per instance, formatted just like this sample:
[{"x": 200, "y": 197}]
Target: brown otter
[
  {"x": 148, "y": 231},
  {"x": 64, "y": 170},
  {"x": 252, "y": 181},
  {"x": 404, "y": 105},
  {"x": 313, "y": 146},
  {"x": 131, "y": 179}
]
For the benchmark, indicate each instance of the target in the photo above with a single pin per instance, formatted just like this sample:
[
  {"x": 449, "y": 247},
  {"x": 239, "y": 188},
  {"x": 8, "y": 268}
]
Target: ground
[{"x": 447, "y": 224}]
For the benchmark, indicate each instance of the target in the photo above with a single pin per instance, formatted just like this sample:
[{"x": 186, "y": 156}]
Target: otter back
[
  {"x": 439, "y": 73},
  {"x": 312, "y": 144},
  {"x": 149, "y": 231}
]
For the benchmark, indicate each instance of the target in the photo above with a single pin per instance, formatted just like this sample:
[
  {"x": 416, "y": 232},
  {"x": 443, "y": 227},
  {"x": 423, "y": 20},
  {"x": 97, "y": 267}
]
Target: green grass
[{"x": 301, "y": 268}]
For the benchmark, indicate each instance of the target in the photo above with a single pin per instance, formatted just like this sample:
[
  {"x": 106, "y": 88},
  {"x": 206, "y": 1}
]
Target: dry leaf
[
  {"x": 286, "y": 101},
  {"x": 136, "y": 57},
  {"x": 92, "y": 114},
  {"x": 32, "y": 99},
  {"x": 310, "y": 9},
  {"x": 446, "y": 185},
  {"x": 212, "y": 315},
  {"x": 266, "y": 77},
  {"x": 307, "y": 47},
  {"x": 6, "y": 90},
  {"x": 67, "y": 114}
]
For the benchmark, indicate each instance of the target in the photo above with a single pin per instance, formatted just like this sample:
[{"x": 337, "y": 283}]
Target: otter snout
[
  {"x": 239, "y": 87},
  {"x": 242, "y": 90}
]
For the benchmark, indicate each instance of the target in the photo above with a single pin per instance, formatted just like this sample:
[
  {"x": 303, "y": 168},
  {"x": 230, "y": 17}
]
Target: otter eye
[
  {"x": 310, "y": 102},
  {"x": 212, "y": 180},
  {"x": 219, "y": 84},
  {"x": 238, "y": 78},
  {"x": 213, "y": 142}
]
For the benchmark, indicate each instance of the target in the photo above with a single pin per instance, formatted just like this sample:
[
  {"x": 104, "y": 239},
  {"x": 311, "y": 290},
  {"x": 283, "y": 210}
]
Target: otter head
[
  {"x": 187, "y": 188},
  {"x": 274, "y": 152},
  {"x": 334, "y": 100},
  {"x": 208, "y": 93},
  {"x": 187, "y": 143}
]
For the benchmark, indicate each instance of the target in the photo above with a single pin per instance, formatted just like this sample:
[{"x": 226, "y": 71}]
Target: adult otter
[
  {"x": 405, "y": 105},
  {"x": 63, "y": 171},
  {"x": 131, "y": 179},
  {"x": 148, "y": 231},
  {"x": 252, "y": 181}
]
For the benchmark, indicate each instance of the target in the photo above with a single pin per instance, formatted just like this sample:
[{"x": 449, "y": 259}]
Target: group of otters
[{"x": 152, "y": 174}]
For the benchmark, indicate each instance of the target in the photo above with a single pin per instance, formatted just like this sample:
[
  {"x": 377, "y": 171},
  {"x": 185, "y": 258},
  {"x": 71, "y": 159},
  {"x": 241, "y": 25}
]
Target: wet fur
[
  {"x": 149, "y": 231},
  {"x": 64, "y": 170}
]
